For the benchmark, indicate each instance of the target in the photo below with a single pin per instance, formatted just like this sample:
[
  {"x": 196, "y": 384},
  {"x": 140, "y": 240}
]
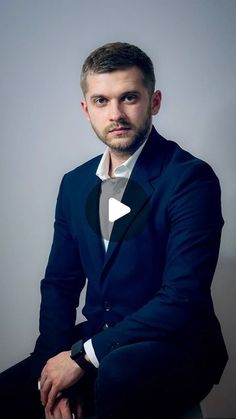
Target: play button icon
[{"x": 117, "y": 210}]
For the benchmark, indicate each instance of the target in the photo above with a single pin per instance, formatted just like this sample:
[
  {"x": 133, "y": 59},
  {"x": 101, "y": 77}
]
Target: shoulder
[
  {"x": 77, "y": 180},
  {"x": 86, "y": 169},
  {"x": 167, "y": 158},
  {"x": 82, "y": 174},
  {"x": 184, "y": 179},
  {"x": 180, "y": 163},
  {"x": 185, "y": 165}
]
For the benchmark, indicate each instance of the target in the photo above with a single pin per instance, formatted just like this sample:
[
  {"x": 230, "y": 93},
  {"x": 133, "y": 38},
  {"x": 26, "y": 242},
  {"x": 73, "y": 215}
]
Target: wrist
[{"x": 79, "y": 355}]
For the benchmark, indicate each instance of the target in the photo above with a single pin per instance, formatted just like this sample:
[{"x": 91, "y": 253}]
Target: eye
[
  {"x": 100, "y": 101},
  {"x": 130, "y": 98}
]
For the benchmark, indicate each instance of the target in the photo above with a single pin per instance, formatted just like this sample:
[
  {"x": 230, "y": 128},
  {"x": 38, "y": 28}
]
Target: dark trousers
[
  {"x": 147, "y": 380},
  {"x": 19, "y": 395}
]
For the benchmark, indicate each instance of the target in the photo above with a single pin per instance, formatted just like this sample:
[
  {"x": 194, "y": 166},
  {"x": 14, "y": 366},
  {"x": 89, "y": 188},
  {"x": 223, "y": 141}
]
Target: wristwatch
[{"x": 78, "y": 355}]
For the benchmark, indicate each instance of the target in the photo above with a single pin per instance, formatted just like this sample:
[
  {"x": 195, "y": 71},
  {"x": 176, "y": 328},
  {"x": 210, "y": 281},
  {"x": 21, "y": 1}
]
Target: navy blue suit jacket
[{"x": 154, "y": 286}]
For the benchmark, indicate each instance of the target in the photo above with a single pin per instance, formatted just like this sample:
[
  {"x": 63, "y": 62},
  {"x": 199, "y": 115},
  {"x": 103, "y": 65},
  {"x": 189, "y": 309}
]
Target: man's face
[{"x": 119, "y": 108}]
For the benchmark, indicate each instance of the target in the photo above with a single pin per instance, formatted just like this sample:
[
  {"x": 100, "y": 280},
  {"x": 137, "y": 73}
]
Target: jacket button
[
  {"x": 115, "y": 345},
  {"x": 107, "y": 306}
]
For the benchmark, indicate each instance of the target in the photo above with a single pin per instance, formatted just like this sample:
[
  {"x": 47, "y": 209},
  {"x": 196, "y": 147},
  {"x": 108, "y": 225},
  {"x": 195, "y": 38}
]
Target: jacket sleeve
[
  {"x": 183, "y": 303},
  {"x": 60, "y": 291}
]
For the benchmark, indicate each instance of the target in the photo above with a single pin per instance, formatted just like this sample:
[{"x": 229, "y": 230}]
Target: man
[{"x": 151, "y": 345}]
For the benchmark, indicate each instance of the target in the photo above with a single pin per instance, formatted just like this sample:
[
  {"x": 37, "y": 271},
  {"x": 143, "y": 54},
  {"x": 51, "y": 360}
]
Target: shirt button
[{"x": 107, "y": 306}]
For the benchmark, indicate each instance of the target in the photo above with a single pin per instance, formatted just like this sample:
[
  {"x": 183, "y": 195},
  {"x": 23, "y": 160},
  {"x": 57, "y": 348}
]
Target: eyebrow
[
  {"x": 128, "y": 92},
  {"x": 96, "y": 96},
  {"x": 131, "y": 92}
]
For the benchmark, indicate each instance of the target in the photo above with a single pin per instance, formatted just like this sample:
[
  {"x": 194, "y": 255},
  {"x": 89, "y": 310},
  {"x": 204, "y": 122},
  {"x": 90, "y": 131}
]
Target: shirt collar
[{"x": 123, "y": 170}]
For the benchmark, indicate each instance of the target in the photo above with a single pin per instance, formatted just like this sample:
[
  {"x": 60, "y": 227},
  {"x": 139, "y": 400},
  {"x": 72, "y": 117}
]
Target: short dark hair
[{"x": 118, "y": 56}]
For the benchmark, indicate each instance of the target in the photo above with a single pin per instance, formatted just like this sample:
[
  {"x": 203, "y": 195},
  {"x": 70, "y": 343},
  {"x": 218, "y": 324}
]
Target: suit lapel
[{"x": 92, "y": 222}]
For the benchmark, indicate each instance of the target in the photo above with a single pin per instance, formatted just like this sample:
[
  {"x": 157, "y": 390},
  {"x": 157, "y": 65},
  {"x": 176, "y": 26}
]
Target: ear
[
  {"x": 156, "y": 102},
  {"x": 85, "y": 108}
]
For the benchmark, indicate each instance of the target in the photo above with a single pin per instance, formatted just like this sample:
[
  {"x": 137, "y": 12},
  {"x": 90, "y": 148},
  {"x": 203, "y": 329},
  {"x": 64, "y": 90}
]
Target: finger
[
  {"x": 65, "y": 409},
  {"x": 51, "y": 397},
  {"x": 43, "y": 376},
  {"x": 61, "y": 410},
  {"x": 54, "y": 413},
  {"x": 48, "y": 415},
  {"x": 44, "y": 392}
]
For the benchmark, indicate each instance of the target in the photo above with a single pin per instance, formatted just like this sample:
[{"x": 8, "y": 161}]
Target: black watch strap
[{"x": 78, "y": 355}]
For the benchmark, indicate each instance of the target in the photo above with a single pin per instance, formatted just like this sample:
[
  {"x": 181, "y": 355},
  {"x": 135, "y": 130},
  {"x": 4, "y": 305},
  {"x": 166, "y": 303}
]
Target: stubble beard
[{"x": 119, "y": 144}]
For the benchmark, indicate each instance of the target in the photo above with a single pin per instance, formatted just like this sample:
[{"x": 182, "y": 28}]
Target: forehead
[{"x": 115, "y": 82}]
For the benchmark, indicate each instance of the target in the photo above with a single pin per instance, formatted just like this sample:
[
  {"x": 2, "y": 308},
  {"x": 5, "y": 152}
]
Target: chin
[{"x": 121, "y": 144}]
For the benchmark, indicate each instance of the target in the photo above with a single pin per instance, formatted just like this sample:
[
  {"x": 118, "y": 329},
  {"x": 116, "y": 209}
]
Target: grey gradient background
[{"x": 43, "y": 134}]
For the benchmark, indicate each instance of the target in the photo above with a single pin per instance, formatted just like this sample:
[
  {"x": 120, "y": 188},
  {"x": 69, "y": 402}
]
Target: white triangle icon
[{"x": 117, "y": 210}]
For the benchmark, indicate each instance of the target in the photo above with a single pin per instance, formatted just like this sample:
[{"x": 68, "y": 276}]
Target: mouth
[{"x": 120, "y": 130}]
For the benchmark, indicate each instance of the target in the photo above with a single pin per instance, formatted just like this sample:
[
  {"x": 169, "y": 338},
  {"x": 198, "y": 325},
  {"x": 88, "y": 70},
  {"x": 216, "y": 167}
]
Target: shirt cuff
[{"x": 88, "y": 347}]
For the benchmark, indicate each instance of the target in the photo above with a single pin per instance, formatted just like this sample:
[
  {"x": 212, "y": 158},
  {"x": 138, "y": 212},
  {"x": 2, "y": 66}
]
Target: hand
[
  {"x": 59, "y": 373},
  {"x": 60, "y": 410}
]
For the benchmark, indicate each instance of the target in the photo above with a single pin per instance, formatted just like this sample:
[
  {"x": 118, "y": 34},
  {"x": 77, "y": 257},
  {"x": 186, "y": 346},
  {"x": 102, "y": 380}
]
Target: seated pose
[{"x": 142, "y": 223}]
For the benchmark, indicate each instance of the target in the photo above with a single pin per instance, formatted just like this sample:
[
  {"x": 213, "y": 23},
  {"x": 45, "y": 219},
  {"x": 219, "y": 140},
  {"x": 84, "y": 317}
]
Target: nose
[{"x": 116, "y": 111}]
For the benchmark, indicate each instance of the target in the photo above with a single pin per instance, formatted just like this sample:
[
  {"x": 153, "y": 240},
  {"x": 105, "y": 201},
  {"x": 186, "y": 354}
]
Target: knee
[
  {"x": 112, "y": 372},
  {"x": 113, "y": 387}
]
